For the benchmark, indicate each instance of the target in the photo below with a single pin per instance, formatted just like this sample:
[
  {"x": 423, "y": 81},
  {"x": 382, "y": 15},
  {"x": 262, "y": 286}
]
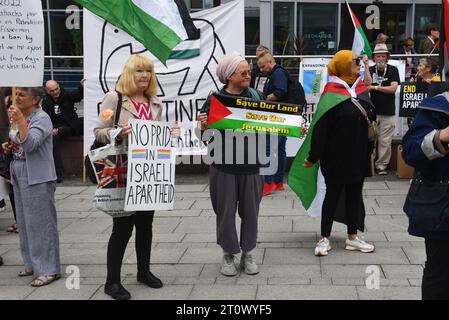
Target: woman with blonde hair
[{"x": 138, "y": 87}]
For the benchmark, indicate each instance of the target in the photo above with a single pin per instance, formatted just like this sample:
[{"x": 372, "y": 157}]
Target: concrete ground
[{"x": 187, "y": 259}]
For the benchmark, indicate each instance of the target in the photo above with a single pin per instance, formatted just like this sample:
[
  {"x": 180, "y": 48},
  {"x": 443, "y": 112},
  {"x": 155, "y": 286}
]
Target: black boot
[
  {"x": 116, "y": 291},
  {"x": 150, "y": 280}
]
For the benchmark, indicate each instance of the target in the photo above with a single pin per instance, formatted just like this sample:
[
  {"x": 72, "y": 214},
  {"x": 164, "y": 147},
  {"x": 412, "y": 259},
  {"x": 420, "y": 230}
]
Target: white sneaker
[
  {"x": 248, "y": 265},
  {"x": 322, "y": 247},
  {"x": 359, "y": 245},
  {"x": 228, "y": 267}
]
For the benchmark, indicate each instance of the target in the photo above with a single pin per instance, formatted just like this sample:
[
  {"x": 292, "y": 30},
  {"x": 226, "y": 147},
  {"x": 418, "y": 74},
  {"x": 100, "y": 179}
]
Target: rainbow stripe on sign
[
  {"x": 163, "y": 153},
  {"x": 139, "y": 154}
]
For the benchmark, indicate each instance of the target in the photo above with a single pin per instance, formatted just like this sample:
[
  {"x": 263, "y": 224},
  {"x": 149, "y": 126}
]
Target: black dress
[{"x": 340, "y": 143}]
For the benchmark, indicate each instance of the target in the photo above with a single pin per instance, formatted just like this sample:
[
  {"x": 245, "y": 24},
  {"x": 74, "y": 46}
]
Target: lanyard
[{"x": 383, "y": 76}]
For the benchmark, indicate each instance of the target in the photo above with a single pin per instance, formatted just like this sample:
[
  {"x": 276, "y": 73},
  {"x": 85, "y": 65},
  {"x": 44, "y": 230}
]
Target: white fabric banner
[
  {"x": 21, "y": 43},
  {"x": 183, "y": 84}
]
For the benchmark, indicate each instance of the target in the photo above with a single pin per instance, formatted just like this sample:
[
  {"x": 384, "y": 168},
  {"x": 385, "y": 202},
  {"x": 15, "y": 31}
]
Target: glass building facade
[{"x": 289, "y": 27}]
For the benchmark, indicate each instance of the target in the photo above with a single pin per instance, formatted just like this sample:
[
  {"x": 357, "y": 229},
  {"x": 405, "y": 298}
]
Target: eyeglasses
[
  {"x": 246, "y": 73},
  {"x": 357, "y": 61}
]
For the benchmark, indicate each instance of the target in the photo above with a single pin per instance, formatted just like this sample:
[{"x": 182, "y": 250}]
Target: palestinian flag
[
  {"x": 159, "y": 25},
  {"x": 360, "y": 44},
  {"x": 303, "y": 181},
  {"x": 247, "y": 115}
]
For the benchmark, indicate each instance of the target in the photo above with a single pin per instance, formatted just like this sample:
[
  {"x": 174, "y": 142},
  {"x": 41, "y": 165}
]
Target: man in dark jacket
[
  {"x": 428, "y": 44},
  {"x": 426, "y": 148},
  {"x": 275, "y": 89},
  {"x": 59, "y": 104}
]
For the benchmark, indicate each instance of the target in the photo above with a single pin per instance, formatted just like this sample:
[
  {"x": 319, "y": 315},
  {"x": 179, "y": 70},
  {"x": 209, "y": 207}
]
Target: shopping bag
[{"x": 110, "y": 164}]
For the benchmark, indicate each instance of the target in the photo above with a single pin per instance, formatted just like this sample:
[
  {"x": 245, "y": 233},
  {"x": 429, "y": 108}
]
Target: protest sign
[
  {"x": 244, "y": 114},
  {"x": 410, "y": 97},
  {"x": 21, "y": 43},
  {"x": 151, "y": 167}
]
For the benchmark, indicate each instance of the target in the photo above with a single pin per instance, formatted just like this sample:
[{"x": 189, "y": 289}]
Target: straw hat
[{"x": 381, "y": 48}]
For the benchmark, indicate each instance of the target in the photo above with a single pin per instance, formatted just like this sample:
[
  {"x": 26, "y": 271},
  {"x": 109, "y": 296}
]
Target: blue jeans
[{"x": 281, "y": 157}]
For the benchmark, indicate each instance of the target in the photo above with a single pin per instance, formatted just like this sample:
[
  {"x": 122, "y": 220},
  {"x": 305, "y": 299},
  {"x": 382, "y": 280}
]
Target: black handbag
[
  {"x": 427, "y": 204},
  {"x": 90, "y": 170}
]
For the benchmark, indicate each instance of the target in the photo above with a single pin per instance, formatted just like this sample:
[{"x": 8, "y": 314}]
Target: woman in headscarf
[
  {"x": 235, "y": 186},
  {"x": 339, "y": 143}
]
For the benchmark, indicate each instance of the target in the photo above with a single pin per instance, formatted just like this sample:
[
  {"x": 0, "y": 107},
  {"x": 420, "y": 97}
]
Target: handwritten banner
[
  {"x": 21, "y": 43},
  {"x": 151, "y": 167},
  {"x": 243, "y": 114},
  {"x": 410, "y": 97}
]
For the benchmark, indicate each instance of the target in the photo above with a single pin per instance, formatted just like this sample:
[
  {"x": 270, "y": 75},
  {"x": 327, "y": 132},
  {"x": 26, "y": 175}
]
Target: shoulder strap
[
  {"x": 118, "y": 109},
  {"x": 361, "y": 108}
]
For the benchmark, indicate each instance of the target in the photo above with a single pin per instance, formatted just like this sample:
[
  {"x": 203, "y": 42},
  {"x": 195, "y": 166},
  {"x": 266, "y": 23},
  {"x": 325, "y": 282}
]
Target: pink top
[{"x": 143, "y": 109}]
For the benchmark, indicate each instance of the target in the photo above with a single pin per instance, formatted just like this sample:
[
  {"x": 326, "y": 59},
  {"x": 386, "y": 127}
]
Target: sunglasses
[{"x": 244, "y": 73}]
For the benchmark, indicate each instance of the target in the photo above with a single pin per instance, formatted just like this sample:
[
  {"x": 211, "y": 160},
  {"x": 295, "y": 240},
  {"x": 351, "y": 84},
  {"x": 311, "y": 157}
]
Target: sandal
[
  {"x": 25, "y": 273},
  {"x": 14, "y": 228},
  {"x": 44, "y": 280}
]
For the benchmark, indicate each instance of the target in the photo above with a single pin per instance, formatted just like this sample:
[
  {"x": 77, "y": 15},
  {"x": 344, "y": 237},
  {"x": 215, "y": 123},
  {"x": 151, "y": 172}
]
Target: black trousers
[
  {"x": 64, "y": 132},
  {"x": 353, "y": 193},
  {"x": 435, "y": 280},
  {"x": 121, "y": 232}
]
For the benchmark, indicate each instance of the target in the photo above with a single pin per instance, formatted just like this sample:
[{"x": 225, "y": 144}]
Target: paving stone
[
  {"x": 59, "y": 291},
  {"x": 223, "y": 292},
  {"x": 295, "y": 237},
  {"x": 289, "y": 256},
  {"x": 389, "y": 293},
  {"x": 183, "y": 204},
  {"x": 389, "y": 192},
  {"x": 178, "y": 213},
  {"x": 160, "y": 256},
  {"x": 15, "y": 292},
  {"x": 88, "y": 226},
  {"x": 385, "y": 223},
  {"x": 380, "y": 256},
  {"x": 394, "y": 236},
  {"x": 402, "y": 271},
  {"x": 276, "y": 204},
  {"x": 320, "y": 282},
  {"x": 196, "y": 225},
  {"x": 305, "y": 292},
  {"x": 288, "y": 281},
  {"x": 263, "y": 212},
  {"x": 348, "y": 271},
  {"x": 391, "y": 201},
  {"x": 165, "y": 225},
  {"x": 201, "y": 204},
  {"x": 211, "y": 255},
  {"x": 194, "y": 280},
  {"x": 142, "y": 292},
  {"x": 74, "y": 205},
  {"x": 415, "y": 255},
  {"x": 375, "y": 185},
  {"x": 271, "y": 271},
  {"x": 398, "y": 185},
  {"x": 415, "y": 282},
  {"x": 389, "y": 211}
]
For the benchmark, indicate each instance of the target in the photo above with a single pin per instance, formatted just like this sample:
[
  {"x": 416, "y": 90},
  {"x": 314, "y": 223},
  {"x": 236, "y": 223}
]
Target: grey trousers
[
  {"x": 36, "y": 218},
  {"x": 228, "y": 193}
]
